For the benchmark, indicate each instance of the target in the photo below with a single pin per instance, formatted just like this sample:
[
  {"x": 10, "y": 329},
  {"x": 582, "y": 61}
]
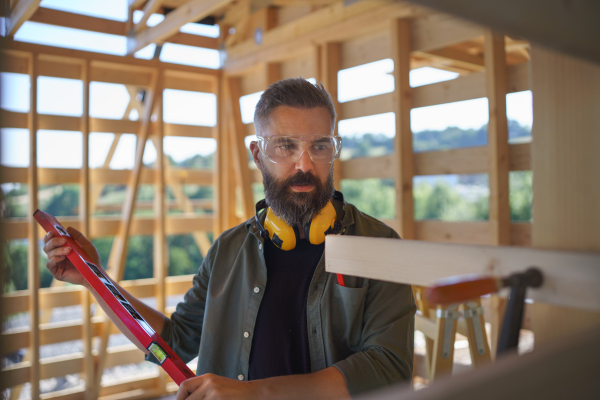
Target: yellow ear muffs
[
  {"x": 322, "y": 224},
  {"x": 282, "y": 235}
]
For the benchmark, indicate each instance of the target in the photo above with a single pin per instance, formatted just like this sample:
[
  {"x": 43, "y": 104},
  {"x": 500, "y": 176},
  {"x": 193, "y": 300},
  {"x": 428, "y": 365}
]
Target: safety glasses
[{"x": 283, "y": 149}]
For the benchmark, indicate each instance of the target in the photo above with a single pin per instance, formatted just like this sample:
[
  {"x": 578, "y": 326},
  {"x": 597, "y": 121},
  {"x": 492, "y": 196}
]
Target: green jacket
[{"x": 364, "y": 329}]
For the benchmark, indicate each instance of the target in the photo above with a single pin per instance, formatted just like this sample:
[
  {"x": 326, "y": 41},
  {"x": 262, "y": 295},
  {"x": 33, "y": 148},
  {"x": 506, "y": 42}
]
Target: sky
[{"x": 61, "y": 149}]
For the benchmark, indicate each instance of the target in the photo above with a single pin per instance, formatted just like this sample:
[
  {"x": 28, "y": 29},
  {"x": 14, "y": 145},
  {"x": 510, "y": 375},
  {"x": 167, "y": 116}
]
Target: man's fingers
[
  {"x": 58, "y": 252},
  {"x": 48, "y": 236},
  {"x": 77, "y": 236},
  {"x": 53, "y": 244},
  {"x": 188, "y": 386}
]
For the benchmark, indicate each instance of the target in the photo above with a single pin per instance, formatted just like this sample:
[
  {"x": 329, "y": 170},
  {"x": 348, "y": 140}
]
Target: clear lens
[{"x": 289, "y": 149}]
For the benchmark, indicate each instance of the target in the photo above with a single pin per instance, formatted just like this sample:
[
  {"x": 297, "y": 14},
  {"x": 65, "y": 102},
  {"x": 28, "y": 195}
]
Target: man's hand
[
  {"x": 214, "y": 387},
  {"x": 326, "y": 384},
  {"x": 58, "y": 264}
]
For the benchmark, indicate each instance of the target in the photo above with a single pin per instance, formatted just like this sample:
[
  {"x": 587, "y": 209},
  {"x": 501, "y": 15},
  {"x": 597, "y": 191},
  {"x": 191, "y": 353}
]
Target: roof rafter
[
  {"x": 18, "y": 14},
  {"x": 150, "y": 8},
  {"x": 193, "y": 11}
]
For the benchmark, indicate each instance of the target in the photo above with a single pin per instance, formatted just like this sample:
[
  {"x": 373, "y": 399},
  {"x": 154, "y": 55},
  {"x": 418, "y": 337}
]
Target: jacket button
[
  {"x": 256, "y": 289},
  {"x": 240, "y": 377},
  {"x": 246, "y": 335},
  {"x": 260, "y": 246}
]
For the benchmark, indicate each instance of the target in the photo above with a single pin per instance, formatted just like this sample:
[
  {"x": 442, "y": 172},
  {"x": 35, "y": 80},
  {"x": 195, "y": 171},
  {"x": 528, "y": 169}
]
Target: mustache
[{"x": 301, "y": 179}]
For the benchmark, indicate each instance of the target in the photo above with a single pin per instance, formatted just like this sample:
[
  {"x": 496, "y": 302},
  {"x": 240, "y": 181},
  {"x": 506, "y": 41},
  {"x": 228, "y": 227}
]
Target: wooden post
[
  {"x": 239, "y": 156},
  {"x": 496, "y": 86},
  {"x": 118, "y": 253},
  {"x": 161, "y": 259},
  {"x": 84, "y": 218},
  {"x": 33, "y": 272},
  {"x": 331, "y": 60},
  {"x": 404, "y": 171},
  {"x": 566, "y": 166}
]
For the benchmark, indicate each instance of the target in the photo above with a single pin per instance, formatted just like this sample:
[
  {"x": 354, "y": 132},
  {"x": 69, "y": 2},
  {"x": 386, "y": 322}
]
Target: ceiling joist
[
  {"x": 18, "y": 14},
  {"x": 192, "y": 11}
]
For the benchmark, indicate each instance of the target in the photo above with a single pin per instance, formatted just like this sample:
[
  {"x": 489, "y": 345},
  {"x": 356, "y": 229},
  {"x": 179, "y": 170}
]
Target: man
[{"x": 271, "y": 323}]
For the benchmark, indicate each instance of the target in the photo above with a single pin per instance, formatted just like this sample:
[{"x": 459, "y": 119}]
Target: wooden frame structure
[{"x": 264, "y": 41}]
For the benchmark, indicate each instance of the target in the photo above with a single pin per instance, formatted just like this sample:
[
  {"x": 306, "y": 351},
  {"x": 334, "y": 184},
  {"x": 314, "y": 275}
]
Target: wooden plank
[
  {"x": 566, "y": 168},
  {"x": 453, "y": 232},
  {"x": 303, "y": 66},
  {"x": 150, "y": 8},
  {"x": 33, "y": 272},
  {"x": 570, "y": 278},
  {"x": 14, "y": 61},
  {"x": 112, "y": 27},
  {"x": 16, "y": 15},
  {"x": 177, "y": 284},
  {"x": 187, "y": 81},
  {"x": 463, "y": 88},
  {"x": 240, "y": 158},
  {"x": 193, "y": 11},
  {"x": 402, "y": 103},
  {"x": 196, "y": 131},
  {"x": 330, "y": 24},
  {"x": 436, "y": 30},
  {"x": 9, "y": 45},
  {"x": 129, "y": 384},
  {"x": 111, "y": 73},
  {"x": 496, "y": 84},
  {"x": 59, "y": 67},
  {"x": 330, "y": 65},
  {"x": 366, "y": 49}
]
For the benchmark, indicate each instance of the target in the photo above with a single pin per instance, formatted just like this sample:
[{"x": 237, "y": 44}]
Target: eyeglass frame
[{"x": 337, "y": 143}]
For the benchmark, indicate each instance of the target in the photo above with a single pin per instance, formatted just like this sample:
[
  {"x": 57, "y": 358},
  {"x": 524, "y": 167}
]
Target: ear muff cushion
[
  {"x": 282, "y": 235},
  {"x": 321, "y": 224}
]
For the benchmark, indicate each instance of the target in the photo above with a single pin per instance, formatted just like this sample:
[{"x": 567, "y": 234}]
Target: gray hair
[{"x": 292, "y": 92}]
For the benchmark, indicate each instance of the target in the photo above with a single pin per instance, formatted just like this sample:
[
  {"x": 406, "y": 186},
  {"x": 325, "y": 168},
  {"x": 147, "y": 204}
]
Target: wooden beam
[
  {"x": 499, "y": 165},
  {"x": 17, "y": 14},
  {"x": 85, "y": 22},
  {"x": 118, "y": 253},
  {"x": 329, "y": 24},
  {"x": 118, "y": 61},
  {"x": 239, "y": 152},
  {"x": 192, "y": 11},
  {"x": 570, "y": 278},
  {"x": 463, "y": 88},
  {"x": 331, "y": 54},
  {"x": 150, "y": 8},
  {"x": 33, "y": 272},
  {"x": 402, "y": 99}
]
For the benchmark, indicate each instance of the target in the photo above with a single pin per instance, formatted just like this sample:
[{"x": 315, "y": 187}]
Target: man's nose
[{"x": 304, "y": 163}]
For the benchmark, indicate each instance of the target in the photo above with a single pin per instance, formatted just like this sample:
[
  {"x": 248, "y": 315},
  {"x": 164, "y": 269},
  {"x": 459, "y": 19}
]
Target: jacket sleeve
[
  {"x": 388, "y": 339},
  {"x": 183, "y": 330}
]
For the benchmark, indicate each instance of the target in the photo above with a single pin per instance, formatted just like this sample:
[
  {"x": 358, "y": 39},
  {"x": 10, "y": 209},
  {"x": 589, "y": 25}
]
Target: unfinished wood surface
[
  {"x": 33, "y": 272},
  {"x": 239, "y": 152},
  {"x": 330, "y": 65},
  {"x": 192, "y": 11},
  {"x": 325, "y": 25},
  {"x": 88, "y": 23},
  {"x": 17, "y": 12},
  {"x": 468, "y": 160},
  {"x": 400, "y": 34},
  {"x": 463, "y": 88},
  {"x": 566, "y": 193},
  {"x": 499, "y": 165},
  {"x": 116, "y": 61},
  {"x": 303, "y": 66},
  {"x": 570, "y": 278}
]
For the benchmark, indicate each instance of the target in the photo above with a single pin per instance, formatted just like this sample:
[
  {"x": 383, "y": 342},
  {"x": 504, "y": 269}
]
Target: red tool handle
[{"x": 461, "y": 288}]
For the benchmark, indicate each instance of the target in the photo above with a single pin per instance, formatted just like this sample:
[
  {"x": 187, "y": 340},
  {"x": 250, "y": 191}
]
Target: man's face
[{"x": 298, "y": 191}]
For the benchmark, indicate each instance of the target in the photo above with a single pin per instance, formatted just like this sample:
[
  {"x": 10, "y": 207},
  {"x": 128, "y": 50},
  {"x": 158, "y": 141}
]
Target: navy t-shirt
[{"x": 280, "y": 342}]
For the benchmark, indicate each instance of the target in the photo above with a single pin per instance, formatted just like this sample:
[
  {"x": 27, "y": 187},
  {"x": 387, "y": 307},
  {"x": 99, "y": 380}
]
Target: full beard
[{"x": 297, "y": 208}]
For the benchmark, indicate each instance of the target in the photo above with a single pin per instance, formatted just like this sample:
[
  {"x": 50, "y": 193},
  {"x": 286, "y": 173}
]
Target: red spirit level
[{"x": 142, "y": 331}]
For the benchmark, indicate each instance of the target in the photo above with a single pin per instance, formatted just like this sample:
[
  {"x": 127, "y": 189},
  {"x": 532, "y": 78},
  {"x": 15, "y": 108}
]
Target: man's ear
[{"x": 255, "y": 154}]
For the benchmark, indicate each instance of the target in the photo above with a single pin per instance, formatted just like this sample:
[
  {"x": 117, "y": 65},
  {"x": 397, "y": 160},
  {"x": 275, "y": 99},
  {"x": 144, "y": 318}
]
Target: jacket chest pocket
[{"x": 347, "y": 312}]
